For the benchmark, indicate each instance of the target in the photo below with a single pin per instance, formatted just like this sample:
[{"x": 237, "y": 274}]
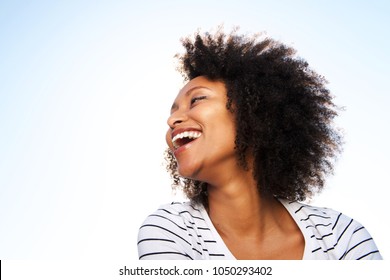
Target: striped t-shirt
[{"x": 185, "y": 231}]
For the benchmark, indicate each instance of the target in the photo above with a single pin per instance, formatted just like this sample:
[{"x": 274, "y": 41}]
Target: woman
[{"x": 249, "y": 136}]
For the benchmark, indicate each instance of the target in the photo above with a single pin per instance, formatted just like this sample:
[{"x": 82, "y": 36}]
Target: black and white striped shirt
[{"x": 183, "y": 231}]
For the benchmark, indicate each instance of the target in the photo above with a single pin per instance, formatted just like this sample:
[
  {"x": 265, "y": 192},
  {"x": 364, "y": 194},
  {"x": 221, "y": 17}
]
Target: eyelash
[{"x": 193, "y": 100}]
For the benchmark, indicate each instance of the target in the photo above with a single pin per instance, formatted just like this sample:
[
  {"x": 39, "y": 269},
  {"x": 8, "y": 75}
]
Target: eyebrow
[{"x": 175, "y": 106}]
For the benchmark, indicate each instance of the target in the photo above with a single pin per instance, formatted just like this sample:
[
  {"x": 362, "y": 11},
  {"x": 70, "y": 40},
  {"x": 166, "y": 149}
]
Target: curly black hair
[{"x": 283, "y": 113}]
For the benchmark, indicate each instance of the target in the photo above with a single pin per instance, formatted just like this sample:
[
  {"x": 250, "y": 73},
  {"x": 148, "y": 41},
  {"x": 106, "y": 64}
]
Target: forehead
[{"x": 200, "y": 83}]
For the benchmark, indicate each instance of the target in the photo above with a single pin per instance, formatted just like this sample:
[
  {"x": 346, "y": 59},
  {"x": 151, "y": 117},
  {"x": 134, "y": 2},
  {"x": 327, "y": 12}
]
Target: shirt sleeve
[
  {"x": 163, "y": 236},
  {"x": 157, "y": 243},
  {"x": 361, "y": 246}
]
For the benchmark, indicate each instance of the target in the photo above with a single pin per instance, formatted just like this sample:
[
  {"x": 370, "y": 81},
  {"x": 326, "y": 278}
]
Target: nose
[{"x": 176, "y": 118}]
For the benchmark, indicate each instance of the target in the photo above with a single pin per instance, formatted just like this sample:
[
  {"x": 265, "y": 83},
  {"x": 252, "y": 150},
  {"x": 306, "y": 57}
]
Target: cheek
[{"x": 225, "y": 124}]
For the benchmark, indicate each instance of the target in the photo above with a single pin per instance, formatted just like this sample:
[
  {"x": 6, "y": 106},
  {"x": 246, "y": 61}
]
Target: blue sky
[{"x": 85, "y": 92}]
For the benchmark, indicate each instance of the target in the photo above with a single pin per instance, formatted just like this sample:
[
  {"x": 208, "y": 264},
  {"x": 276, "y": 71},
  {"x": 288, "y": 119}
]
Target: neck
[{"x": 237, "y": 207}]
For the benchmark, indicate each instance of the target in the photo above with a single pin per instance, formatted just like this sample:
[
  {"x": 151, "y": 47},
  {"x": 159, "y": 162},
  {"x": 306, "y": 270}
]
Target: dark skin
[
  {"x": 268, "y": 233},
  {"x": 252, "y": 225}
]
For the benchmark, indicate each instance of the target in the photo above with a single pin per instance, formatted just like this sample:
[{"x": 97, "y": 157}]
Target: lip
[
  {"x": 183, "y": 148},
  {"x": 177, "y": 131}
]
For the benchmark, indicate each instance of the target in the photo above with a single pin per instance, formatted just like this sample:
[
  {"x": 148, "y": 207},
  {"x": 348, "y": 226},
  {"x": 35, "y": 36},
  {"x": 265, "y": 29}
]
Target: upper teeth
[{"x": 186, "y": 134}]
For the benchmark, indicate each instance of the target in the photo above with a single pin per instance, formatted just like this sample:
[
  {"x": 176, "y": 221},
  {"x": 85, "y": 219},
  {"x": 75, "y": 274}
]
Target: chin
[{"x": 188, "y": 172}]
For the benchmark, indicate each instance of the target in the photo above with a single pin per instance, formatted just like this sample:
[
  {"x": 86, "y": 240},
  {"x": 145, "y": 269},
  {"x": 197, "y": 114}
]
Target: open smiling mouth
[{"x": 184, "y": 138}]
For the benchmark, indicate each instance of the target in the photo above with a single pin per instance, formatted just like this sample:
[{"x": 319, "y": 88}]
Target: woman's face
[{"x": 202, "y": 130}]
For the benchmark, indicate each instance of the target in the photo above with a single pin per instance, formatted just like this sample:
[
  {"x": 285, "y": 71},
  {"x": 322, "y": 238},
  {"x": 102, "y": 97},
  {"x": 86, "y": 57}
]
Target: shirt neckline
[{"x": 286, "y": 204}]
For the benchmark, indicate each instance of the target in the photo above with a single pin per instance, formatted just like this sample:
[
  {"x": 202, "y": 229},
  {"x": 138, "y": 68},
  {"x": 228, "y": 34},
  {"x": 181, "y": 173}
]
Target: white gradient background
[{"x": 85, "y": 91}]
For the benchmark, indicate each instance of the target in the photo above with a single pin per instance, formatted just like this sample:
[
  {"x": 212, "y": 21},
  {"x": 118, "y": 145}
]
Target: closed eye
[{"x": 198, "y": 98}]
